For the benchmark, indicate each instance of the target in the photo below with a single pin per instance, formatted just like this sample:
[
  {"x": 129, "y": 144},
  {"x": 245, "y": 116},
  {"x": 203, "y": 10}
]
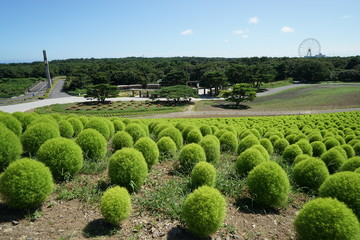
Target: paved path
[{"x": 57, "y": 90}]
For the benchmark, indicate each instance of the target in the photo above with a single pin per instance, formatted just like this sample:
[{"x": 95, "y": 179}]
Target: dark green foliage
[
  {"x": 194, "y": 136},
  {"x": 280, "y": 145},
  {"x": 266, "y": 143},
  {"x": 203, "y": 173},
  {"x": 135, "y": 130},
  {"x": 176, "y": 93},
  {"x": 77, "y": 125},
  {"x": 345, "y": 186},
  {"x": 92, "y": 143},
  {"x": 10, "y": 147},
  {"x": 100, "y": 125},
  {"x": 101, "y": 91},
  {"x": 350, "y": 152},
  {"x": 351, "y": 164},
  {"x": 190, "y": 155},
  {"x": 310, "y": 173},
  {"x": 305, "y": 147},
  {"x": 11, "y": 123},
  {"x": 269, "y": 184},
  {"x": 356, "y": 148},
  {"x": 128, "y": 168},
  {"x": 204, "y": 211},
  {"x": 315, "y": 137},
  {"x": 326, "y": 218},
  {"x": 333, "y": 160},
  {"x": 118, "y": 125},
  {"x": 115, "y": 205},
  {"x": 247, "y": 160},
  {"x": 228, "y": 142},
  {"x": 211, "y": 147},
  {"x": 63, "y": 156},
  {"x": 122, "y": 139},
  {"x": 37, "y": 134},
  {"x": 331, "y": 142},
  {"x": 318, "y": 148},
  {"x": 291, "y": 152},
  {"x": 26, "y": 184},
  {"x": 241, "y": 92},
  {"x": 66, "y": 129},
  {"x": 167, "y": 148},
  {"x": 247, "y": 142},
  {"x": 149, "y": 150}
]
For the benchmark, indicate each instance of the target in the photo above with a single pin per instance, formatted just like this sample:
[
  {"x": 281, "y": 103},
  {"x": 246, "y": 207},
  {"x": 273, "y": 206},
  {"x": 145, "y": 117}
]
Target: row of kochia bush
[{"x": 322, "y": 150}]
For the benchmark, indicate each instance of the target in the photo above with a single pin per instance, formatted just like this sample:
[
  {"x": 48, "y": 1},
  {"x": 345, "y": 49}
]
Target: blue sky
[{"x": 167, "y": 28}]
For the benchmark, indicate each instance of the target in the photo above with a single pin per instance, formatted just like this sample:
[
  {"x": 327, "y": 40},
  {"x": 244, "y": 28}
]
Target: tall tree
[
  {"x": 214, "y": 79},
  {"x": 101, "y": 92},
  {"x": 240, "y": 92}
]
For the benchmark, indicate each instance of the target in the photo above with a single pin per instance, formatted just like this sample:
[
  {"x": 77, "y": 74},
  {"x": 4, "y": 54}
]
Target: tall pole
[{"x": 47, "y": 69}]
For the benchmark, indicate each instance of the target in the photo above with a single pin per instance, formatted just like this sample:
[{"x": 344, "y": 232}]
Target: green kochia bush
[
  {"x": 77, "y": 125},
  {"x": 194, "y": 136},
  {"x": 300, "y": 158},
  {"x": 291, "y": 152},
  {"x": 122, "y": 139},
  {"x": 36, "y": 135},
  {"x": 206, "y": 130},
  {"x": 305, "y": 147},
  {"x": 118, "y": 125},
  {"x": 26, "y": 184},
  {"x": 310, "y": 173},
  {"x": 10, "y": 147},
  {"x": 228, "y": 142},
  {"x": 318, "y": 148},
  {"x": 167, "y": 148},
  {"x": 351, "y": 164},
  {"x": 349, "y": 150},
  {"x": 11, "y": 123},
  {"x": 204, "y": 210},
  {"x": 211, "y": 146},
  {"x": 100, "y": 125},
  {"x": 203, "y": 173},
  {"x": 326, "y": 218},
  {"x": 247, "y": 142},
  {"x": 115, "y": 205},
  {"x": 135, "y": 130},
  {"x": 247, "y": 160},
  {"x": 345, "y": 186},
  {"x": 269, "y": 184},
  {"x": 149, "y": 150},
  {"x": 128, "y": 168},
  {"x": 266, "y": 143},
  {"x": 190, "y": 155},
  {"x": 333, "y": 159},
  {"x": 92, "y": 143},
  {"x": 280, "y": 145},
  {"x": 66, "y": 129},
  {"x": 174, "y": 134},
  {"x": 331, "y": 142},
  {"x": 63, "y": 156}
]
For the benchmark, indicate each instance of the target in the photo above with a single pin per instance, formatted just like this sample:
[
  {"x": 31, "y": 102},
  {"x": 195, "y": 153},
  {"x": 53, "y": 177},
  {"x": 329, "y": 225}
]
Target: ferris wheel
[{"x": 310, "y": 47}]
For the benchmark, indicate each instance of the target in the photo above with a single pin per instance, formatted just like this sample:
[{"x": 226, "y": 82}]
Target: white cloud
[
  {"x": 254, "y": 20},
  {"x": 187, "y": 32},
  {"x": 287, "y": 29},
  {"x": 226, "y": 40},
  {"x": 346, "y": 17},
  {"x": 238, "y": 31},
  {"x": 245, "y": 36}
]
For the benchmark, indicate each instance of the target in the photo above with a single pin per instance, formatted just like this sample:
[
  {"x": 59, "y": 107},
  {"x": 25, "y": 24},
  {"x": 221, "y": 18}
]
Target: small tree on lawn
[
  {"x": 241, "y": 92},
  {"x": 101, "y": 92},
  {"x": 175, "y": 93}
]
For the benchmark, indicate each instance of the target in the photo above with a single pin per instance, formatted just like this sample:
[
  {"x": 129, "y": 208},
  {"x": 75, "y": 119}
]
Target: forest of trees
[{"x": 210, "y": 72}]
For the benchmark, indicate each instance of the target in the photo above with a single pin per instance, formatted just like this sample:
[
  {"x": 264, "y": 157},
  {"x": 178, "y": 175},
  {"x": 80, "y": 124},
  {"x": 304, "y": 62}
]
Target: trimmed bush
[
  {"x": 280, "y": 145},
  {"x": 331, "y": 142},
  {"x": 247, "y": 142},
  {"x": 351, "y": 164},
  {"x": 186, "y": 130},
  {"x": 349, "y": 150},
  {"x": 315, "y": 137},
  {"x": 266, "y": 143},
  {"x": 92, "y": 143},
  {"x": 194, "y": 136},
  {"x": 318, "y": 148},
  {"x": 135, "y": 130},
  {"x": 110, "y": 126},
  {"x": 84, "y": 120},
  {"x": 300, "y": 158},
  {"x": 10, "y": 147},
  {"x": 160, "y": 127},
  {"x": 356, "y": 148},
  {"x": 190, "y": 155},
  {"x": 122, "y": 139},
  {"x": 100, "y": 125},
  {"x": 205, "y": 130},
  {"x": 27, "y": 119},
  {"x": 118, "y": 125},
  {"x": 203, "y": 173},
  {"x": 11, "y": 123},
  {"x": 26, "y": 184},
  {"x": 262, "y": 150},
  {"x": 149, "y": 150},
  {"x": 291, "y": 152},
  {"x": 128, "y": 168},
  {"x": 269, "y": 184},
  {"x": 36, "y": 135},
  {"x": 211, "y": 147},
  {"x": 174, "y": 134},
  {"x": 345, "y": 186},
  {"x": 44, "y": 119},
  {"x": 305, "y": 147},
  {"x": 66, "y": 129},
  {"x": 247, "y": 160},
  {"x": 228, "y": 142},
  {"x": 204, "y": 211},
  {"x": 167, "y": 148},
  {"x": 274, "y": 138},
  {"x": 326, "y": 218},
  {"x": 77, "y": 125},
  {"x": 63, "y": 156},
  {"x": 310, "y": 173},
  {"x": 115, "y": 205},
  {"x": 333, "y": 160}
]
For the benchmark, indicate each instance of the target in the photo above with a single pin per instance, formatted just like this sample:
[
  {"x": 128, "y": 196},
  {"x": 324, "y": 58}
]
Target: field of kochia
[{"x": 219, "y": 161}]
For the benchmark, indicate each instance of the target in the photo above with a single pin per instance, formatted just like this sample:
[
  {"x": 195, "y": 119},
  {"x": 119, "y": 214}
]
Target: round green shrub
[
  {"x": 315, "y": 137},
  {"x": 351, "y": 164},
  {"x": 92, "y": 143},
  {"x": 269, "y": 185},
  {"x": 118, "y": 125},
  {"x": 115, "y": 205},
  {"x": 326, "y": 218},
  {"x": 84, "y": 120},
  {"x": 149, "y": 150},
  {"x": 205, "y": 130},
  {"x": 341, "y": 150},
  {"x": 356, "y": 148},
  {"x": 77, "y": 125},
  {"x": 310, "y": 173},
  {"x": 318, "y": 148},
  {"x": 354, "y": 142},
  {"x": 274, "y": 138},
  {"x": 333, "y": 160},
  {"x": 11, "y": 123},
  {"x": 56, "y": 116},
  {"x": 228, "y": 142},
  {"x": 247, "y": 160},
  {"x": 160, "y": 127},
  {"x": 135, "y": 130},
  {"x": 211, "y": 146},
  {"x": 190, "y": 155},
  {"x": 10, "y": 147},
  {"x": 167, "y": 148},
  {"x": 128, "y": 168},
  {"x": 349, "y": 150},
  {"x": 280, "y": 145},
  {"x": 266, "y": 143},
  {"x": 300, "y": 158},
  {"x": 220, "y": 132},
  {"x": 174, "y": 134},
  {"x": 186, "y": 130},
  {"x": 66, "y": 129},
  {"x": 122, "y": 139},
  {"x": 305, "y": 147},
  {"x": 194, "y": 136},
  {"x": 26, "y": 184},
  {"x": 345, "y": 186},
  {"x": 331, "y": 142},
  {"x": 204, "y": 211},
  {"x": 110, "y": 126},
  {"x": 203, "y": 173},
  {"x": 291, "y": 152},
  {"x": 44, "y": 119},
  {"x": 36, "y": 135},
  {"x": 27, "y": 119},
  {"x": 291, "y": 138},
  {"x": 63, "y": 156},
  {"x": 247, "y": 142},
  {"x": 262, "y": 150},
  {"x": 100, "y": 125}
]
